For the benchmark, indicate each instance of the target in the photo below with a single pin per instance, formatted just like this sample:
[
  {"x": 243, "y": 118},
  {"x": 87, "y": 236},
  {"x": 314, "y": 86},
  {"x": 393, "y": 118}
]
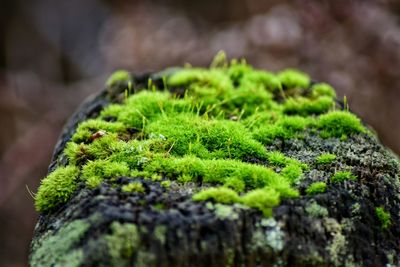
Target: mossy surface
[
  {"x": 209, "y": 135},
  {"x": 200, "y": 165}
]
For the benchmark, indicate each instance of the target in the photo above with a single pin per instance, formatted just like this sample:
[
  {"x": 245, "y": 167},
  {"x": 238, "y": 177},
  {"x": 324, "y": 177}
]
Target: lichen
[
  {"x": 122, "y": 242},
  {"x": 214, "y": 135},
  {"x": 57, "y": 249},
  {"x": 315, "y": 210}
]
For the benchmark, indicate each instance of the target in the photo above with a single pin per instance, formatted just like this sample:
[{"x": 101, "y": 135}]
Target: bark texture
[{"x": 164, "y": 227}]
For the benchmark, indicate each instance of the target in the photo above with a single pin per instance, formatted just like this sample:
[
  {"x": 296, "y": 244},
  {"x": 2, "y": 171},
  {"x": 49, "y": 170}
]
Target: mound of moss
[{"x": 231, "y": 139}]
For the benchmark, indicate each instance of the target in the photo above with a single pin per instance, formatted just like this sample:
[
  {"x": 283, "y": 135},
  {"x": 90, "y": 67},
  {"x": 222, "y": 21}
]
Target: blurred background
[{"x": 53, "y": 54}]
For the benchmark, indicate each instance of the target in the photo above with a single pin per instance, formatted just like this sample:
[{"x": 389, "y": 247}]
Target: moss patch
[
  {"x": 383, "y": 216},
  {"x": 214, "y": 135}
]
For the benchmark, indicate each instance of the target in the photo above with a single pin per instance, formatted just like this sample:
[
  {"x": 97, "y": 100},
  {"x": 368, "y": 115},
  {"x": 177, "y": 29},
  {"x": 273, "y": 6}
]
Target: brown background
[{"x": 53, "y": 54}]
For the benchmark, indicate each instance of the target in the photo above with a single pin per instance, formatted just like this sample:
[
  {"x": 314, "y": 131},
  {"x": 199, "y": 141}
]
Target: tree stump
[{"x": 133, "y": 182}]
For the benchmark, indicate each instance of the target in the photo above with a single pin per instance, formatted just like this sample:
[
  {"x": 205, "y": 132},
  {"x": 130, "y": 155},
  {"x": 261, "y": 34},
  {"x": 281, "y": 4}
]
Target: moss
[
  {"x": 384, "y": 217},
  {"x": 262, "y": 199},
  {"x": 117, "y": 77},
  {"x": 133, "y": 187},
  {"x": 343, "y": 176},
  {"x": 220, "y": 195},
  {"x": 325, "y": 158},
  {"x": 323, "y": 89},
  {"x": 87, "y": 130},
  {"x": 292, "y": 78},
  {"x": 94, "y": 172},
  {"x": 316, "y": 188},
  {"x": 215, "y": 135},
  {"x": 165, "y": 183},
  {"x": 292, "y": 172},
  {"x": 339, "y": 124},
  {"x": 58, "y": 249},
  {"x": 57, "y": 188}
]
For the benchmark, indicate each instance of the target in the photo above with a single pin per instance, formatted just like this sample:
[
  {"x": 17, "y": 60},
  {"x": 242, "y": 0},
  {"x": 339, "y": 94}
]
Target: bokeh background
[{"x": 53, "y": 54}]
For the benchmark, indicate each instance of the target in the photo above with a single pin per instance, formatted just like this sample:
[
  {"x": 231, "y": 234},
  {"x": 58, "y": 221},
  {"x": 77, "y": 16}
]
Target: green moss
[
  {"x": 118, "y": 76},
  {"x": 94, "y": 172},
  {"x": 217, "y": 194},
  {"x": 325, "y": 158},
  {"x": 384, "y": 217},
  {"x": 316, "y": 188},
  {"x": 339, "y": 124},
  {"x": 292, "y": 172},
  {"x": 323, "y": 89},
  {"x": 133, "y": 187},
  {"x": 292, "y": 78},
  {"x": 343, "y": 176},
  {"x": 91, "y": 129},
  {"x": 57, "y": 188},
  {"x": 58, "y": 249},
  {"x": 211, "y": 136},
  {"x": 262, "y": 199}
]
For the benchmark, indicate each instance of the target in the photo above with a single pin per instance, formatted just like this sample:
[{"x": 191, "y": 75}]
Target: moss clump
[
  {"x": 118, "y": 76},
  {"x": 57, "y": 188},
  {"x": 339, "y": 124},
  {"x": 95, "y": 171},
  {"x": 214, "y": 135},
  {"x": 220, "y": 195},
  {"x": 316, "y": 188},
  {"x": 343, "y": 176},
  {"x": 325, "y": 158},
  {"x": 133, "y": 187},
  {"x": 292, "y": 78},
  {"x": 383, "y": 216},
  {"x": 262, "y": 199}
]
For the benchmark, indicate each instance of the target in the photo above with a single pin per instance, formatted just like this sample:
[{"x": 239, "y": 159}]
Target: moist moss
[
  {"x": 325, "y": 158},
  {"x": 343, "y": 176},
  {"x": 316, "y": 188},
  {"x": 383, "y": 216},
  {"x": 214, "y": 135}
]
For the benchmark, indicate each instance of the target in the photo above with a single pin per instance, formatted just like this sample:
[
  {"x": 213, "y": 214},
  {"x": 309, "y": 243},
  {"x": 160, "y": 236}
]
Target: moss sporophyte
[{"x": 214, "y": 135}]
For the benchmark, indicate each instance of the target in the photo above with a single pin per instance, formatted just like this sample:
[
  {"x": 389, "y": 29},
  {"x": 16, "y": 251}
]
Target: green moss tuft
[
  {"x": 262, "y": 199},
  {"x": 343, "y": 176},
  {"x": 292, "y": 78},
  {"x": 94, "y": 172},
  {"x": 325, "y": 158},
  {"x": 118, "y": 76},
  {"x": 57, "y": 188},
  {"x": 339, "y": 124},
  {"x": 383, "y": 216},
  {"x": 316, "y": 188},
  {"x": 133, "y": 187},
  {"x": 217, "y": 194}
]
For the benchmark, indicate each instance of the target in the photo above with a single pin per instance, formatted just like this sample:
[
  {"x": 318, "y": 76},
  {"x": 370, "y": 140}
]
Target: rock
[{"x": 322, "y": 191}]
